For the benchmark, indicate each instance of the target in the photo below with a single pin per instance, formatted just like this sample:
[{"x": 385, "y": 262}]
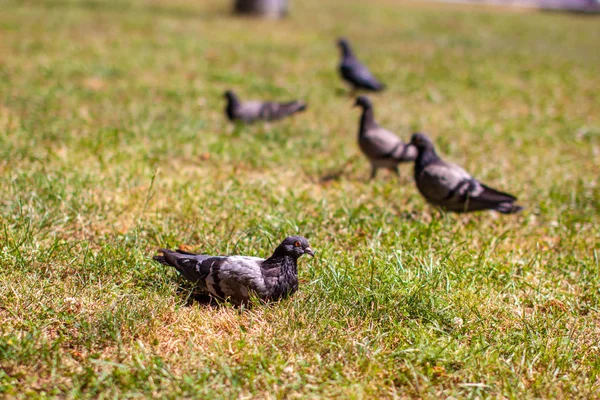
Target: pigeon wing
[
  {"x": 273, "y": 111},
  {"x": 478, "y": 196},
  {"x": 249, "y": 111},
  {"x": 235, "y": 277},
  {"x": 452, "y": 188},
  {"x": 380, "y": 143},
  {"x": 359, "y": 75},
  {"x": 440, "y": 183},
  {"x": 190, "y": 266}
]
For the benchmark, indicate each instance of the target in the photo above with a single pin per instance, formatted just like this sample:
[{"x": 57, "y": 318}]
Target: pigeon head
[
  {"x": 421, "y": 141},
  {"x": 344, "y": 45},
  {"x": 229, "y": 95},
  {"x": 295, "y": 246},
  {"x": 363, "y": 101}
]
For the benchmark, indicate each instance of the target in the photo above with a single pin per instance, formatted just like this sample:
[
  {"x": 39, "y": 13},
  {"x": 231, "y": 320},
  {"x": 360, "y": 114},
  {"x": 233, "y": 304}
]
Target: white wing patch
[{"x": 239, "y": 275}]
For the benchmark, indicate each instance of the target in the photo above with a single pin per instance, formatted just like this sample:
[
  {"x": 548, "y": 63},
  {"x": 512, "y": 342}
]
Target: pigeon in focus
[
  {"x": 251, "y": 111},
  {"x": 451, "y": 188},
  {"x": 383, "y": 148},
  {"x": 354, "y": 72},
  {"x": 235, "y": 278}
]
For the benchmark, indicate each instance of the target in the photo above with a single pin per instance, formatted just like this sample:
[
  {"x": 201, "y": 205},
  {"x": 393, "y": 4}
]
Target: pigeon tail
[
  {"x": 187, "y": 264},
  {"x": 495, "y": 195},
  {"x": 285, "y": 109},
  {"x": 161, "y": 258},
  {"x": 296, "y": 106},
  {"x": 370, "y": 84},
  {"x": 494, "y": 200},
  {"x": 376, "y": 86}
]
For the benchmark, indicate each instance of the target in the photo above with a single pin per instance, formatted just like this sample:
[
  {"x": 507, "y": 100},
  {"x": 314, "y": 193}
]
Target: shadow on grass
[
  {"x": 333, "y": 176},
  {"x": 193, "y": 295},
  {"x": 338, "y": 173}
]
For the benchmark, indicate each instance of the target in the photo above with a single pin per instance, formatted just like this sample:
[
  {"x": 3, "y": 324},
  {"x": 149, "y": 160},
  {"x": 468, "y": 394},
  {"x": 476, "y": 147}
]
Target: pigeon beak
[{"x": 309, "y": 251}]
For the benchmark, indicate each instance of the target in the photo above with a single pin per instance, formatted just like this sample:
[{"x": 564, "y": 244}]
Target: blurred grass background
[{"x": 113, "y": 143}]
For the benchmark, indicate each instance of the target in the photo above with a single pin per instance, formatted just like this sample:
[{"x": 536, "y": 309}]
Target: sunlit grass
[{"x": 113, "y": 143}]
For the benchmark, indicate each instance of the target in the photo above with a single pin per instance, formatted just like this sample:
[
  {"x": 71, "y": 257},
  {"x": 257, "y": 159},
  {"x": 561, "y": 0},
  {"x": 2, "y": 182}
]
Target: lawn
[{"x": 113, "y": 143}]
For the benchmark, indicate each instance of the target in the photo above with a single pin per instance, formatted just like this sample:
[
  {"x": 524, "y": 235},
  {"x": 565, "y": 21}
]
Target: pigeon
[
  {"x": 451, "y": 188},
  {"x": 383, "y": 148},
  {"x": 354, "y": 72},
  {"x": 251, "y": 111},
  {"x": 235, "y": 278}
]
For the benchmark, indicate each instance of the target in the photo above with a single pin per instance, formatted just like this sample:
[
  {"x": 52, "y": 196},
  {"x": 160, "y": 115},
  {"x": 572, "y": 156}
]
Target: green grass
[{"x": 113, "y": 143}]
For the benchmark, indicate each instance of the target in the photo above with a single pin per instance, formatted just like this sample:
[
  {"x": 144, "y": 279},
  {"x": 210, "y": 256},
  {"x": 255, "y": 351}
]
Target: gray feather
[
  {"x": 354, "y": 72},
  {"x": 251, "y": 111},
  {"x": 452, "y": 188},
  {"x": 383, "y": 148},
  {"x": 235, "y": 278}
]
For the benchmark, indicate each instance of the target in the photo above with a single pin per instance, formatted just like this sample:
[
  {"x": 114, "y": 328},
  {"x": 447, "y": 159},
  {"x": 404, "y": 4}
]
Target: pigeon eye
[{"x": 297, "y": 243}]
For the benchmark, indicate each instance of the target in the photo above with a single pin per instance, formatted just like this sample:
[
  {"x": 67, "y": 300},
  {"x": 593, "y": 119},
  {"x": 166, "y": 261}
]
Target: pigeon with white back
[
  {"x": 235, "y": 278},
  {"x": 354, "y": 72},
  {"x": 451, "y": 188},
  {"x": 383, "y": 148},
  {"x": 250, "y": 111}
]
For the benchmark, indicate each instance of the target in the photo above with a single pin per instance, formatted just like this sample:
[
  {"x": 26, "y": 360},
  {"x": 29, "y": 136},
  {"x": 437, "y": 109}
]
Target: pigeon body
[
  {"x": 236, "y": 277},
  {"x": 354, "y": 72},
  {"x": 383, "y": 148},
  {"x": 451, "y": 188},
  {"x": 250, "y": 111}
]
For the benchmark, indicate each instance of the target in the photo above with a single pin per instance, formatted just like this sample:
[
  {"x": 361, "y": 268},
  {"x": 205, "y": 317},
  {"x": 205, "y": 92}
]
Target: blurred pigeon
[
  {"x": 383, "y": 148},
  {"x": 451, "y": 188},
  {"x": 236, "y": 277},
  {"x": 354, "y": 72},
  {"x": 251, "y": 111}
]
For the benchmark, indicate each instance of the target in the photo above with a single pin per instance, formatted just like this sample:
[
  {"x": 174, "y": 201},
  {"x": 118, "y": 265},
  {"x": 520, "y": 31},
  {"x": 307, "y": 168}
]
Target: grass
[{"x": 113, "y": 143}]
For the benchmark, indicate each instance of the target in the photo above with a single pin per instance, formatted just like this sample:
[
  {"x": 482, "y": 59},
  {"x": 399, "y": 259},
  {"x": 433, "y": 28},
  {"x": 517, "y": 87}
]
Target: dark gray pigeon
[
  {"x": 451, "y": 188},
  {"x": 251, "y": 111},
  {"x": 383, "y": 148},
  {"x": 234, "y": 278},
  {"x": 354, "y": 72}
]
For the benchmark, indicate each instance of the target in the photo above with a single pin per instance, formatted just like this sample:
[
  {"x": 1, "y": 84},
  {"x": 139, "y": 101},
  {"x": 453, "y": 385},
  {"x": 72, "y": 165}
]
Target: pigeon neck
[
  {"x": 347, "y": 52},
  {"x": 281, "y": 257},
  {"x": 232, "y": 105},
  {"x": 425, "y": 157},
  {"x": 287, "y": 280},
  {"x": 367, "y": 121}
]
